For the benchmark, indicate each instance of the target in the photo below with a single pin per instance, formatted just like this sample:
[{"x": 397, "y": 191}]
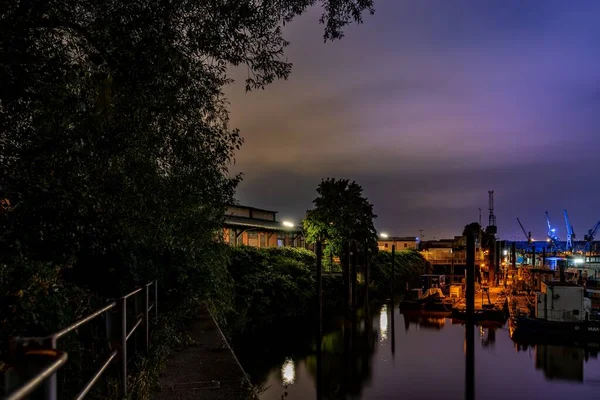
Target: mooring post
[
  {"x": 470, "y": 323},
  {"x": 393, "y": 277},
  {"x": 319, "y": 338},
  {"x": 366, "y": 275},
  {"x": 470, "y": 359},
  {"x": 513, "y": 255},
  {"x": 330, "y": 261},
  {"x": 319, "y": 287},
  {"x": 544, "y": 257},
  {"x": 393, "y": 330},
  {"x": 353, "y": 263},
  {"x": 470, "y": 295},
  {"x": 533, "y": 256},
  {"x": 346, "y": 276}
]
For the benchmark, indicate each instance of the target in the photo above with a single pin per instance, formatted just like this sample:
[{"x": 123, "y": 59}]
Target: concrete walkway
[{"x": 209, "y": 370}]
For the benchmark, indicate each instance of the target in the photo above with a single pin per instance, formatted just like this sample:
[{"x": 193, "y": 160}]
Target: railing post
[
  {"x": 124, "y": 345},
  {"x": 155, "y": 302},
  {"x": 146, "y": 321},
  {"x": 50, "y": 387},
  {"x": 137, "y": 314}
]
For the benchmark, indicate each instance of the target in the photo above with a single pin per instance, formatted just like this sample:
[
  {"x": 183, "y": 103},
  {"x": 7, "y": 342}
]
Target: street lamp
[
  {"x": 289, "y": 224},
  {"x": 383, "y": 235}
]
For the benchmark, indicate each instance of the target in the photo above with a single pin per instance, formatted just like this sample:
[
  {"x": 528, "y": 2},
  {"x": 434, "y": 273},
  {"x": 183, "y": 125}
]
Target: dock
[
  {"x": 497, "y": 299},
  {"x": 207, "y": 370}
]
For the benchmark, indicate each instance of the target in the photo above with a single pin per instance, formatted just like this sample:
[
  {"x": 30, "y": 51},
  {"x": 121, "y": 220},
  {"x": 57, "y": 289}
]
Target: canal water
[{"x": 383, "y": 354}]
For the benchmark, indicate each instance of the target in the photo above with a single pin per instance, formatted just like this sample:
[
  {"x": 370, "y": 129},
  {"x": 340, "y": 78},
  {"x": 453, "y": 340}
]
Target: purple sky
[{"x": 430, "y": 104}]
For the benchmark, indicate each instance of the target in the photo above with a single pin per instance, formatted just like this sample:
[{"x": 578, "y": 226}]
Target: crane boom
[
  {"x": 589, "y": 238},
  {"x": 570, "y": 233},
  {"x": 551, "y": 232},
  {"x": 527, "y": 235}
]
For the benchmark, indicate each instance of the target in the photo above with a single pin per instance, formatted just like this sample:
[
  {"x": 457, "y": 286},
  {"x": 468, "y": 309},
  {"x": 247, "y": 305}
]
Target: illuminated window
[{"x": 253, "y": 238}]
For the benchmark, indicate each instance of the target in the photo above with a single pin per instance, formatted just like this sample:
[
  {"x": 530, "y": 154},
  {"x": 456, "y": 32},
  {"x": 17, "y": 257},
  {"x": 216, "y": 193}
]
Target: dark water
[{"x": 413, "y": 358}]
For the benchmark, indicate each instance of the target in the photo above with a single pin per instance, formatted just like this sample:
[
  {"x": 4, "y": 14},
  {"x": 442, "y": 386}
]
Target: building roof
[
  {"x": 399, "y": 239},
  {"x": 244, "y": 222},
  {"x": 251, "y": 208}
]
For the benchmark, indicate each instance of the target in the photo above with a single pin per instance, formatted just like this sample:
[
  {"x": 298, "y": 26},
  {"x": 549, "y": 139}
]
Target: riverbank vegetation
[{"x": 115, "y": 156}]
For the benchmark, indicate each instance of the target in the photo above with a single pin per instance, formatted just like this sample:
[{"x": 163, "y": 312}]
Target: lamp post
[
  {"x": 289, "y": 224},
  {"x": 385, "y": 236}
]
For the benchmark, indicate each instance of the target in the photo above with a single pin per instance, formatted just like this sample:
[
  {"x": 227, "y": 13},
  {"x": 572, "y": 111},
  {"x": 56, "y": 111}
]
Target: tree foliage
[
  {"x": 115, "y": 143},
  {"x": 341, "y": 213},
  {"x": 408, "y": 266},
  {"x": 271, "y": 284}
]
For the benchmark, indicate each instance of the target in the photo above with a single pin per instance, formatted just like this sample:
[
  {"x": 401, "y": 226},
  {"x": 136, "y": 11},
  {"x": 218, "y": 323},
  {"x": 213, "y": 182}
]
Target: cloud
[{"x": 430, "y": 104}]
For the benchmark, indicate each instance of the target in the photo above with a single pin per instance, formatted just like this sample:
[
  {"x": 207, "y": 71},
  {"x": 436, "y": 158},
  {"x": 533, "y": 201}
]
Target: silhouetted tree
[
  {"x": 341, "y": 213},
  {"x": 115, "y": 144}
]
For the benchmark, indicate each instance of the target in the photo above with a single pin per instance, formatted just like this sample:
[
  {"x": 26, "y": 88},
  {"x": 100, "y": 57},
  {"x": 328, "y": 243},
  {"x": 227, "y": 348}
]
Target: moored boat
[
  {"x": 432, "y": 301},
  {"x": 561, "y": 311}
]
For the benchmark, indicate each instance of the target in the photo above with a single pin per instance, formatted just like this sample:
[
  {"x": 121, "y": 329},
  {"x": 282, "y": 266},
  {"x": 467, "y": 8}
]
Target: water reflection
[
  {"x": 288, "y": 372},
  {"x": 422, "y": 321},
  {"x": 383, "y": 322},
  {"x": 357, "y": 361}
]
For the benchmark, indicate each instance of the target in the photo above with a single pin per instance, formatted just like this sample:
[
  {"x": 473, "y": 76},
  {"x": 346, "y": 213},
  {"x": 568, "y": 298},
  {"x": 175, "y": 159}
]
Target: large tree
[
  {"x": 115, "y": 145},
  {"x": 341, "y": 213}
]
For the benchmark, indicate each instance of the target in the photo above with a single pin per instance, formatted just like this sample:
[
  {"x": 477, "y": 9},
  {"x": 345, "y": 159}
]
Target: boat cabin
[
  {"x": 562, "y": 302},
  {"x": 433, "y": 281}
]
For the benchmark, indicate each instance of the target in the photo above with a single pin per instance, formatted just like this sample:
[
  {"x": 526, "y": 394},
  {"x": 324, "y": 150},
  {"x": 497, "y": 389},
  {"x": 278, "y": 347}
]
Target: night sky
[{"x": 430, "y": 104}]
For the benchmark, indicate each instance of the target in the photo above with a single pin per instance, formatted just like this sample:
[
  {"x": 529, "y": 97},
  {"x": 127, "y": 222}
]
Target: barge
[
  {"x": 562, "y": 312},
  {"x": 432, "y": 301}
]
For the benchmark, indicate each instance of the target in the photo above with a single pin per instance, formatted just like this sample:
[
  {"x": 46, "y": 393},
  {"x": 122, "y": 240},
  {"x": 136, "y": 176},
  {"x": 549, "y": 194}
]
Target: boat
[
  {"x": 561, "y": 311},
  {"x": 432, "y": 301}
]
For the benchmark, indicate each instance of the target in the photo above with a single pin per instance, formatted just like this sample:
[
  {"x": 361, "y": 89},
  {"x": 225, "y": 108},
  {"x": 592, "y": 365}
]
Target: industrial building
[{"x": 258, "y": 227}]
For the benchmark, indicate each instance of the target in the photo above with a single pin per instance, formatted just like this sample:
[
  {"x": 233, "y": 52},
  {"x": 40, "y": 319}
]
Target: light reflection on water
[
  {"x": 383, "y": 323},
  {"x": 288, "y": 372},
  {"x": 356, "y": 366}
]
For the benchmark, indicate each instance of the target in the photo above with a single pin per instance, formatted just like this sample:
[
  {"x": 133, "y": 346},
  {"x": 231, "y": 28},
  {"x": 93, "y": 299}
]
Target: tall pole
[
  {"x": 470, "y": 295},
  {"x": 319, "y": 338},
  {"x": 346, "y": 275},
  {"x": 470, "y": 359},
  {"x": 353, "y": 276},
  {"x": 393, "y": 278},
  {"x": 544, "y": 257},
  {"x": 330, "y": 260},
  {"x": 366, "y": 275},
  {"x": 470, "y": 323},
  {"x": 513, "y": 255}
]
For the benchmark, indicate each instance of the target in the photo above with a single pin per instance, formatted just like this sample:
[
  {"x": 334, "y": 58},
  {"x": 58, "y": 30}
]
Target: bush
[
  {"x": 271, "y": 284},
  {"x": 409, "y": 265}
]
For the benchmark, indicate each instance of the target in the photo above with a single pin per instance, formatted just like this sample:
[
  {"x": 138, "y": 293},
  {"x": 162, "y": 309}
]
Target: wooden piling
[
  {"x": 353, "y": 276},
  {"x": 393, "y": 277},
  {"x": 470, "y": 292},
  {"x": 319, "y": 336}
]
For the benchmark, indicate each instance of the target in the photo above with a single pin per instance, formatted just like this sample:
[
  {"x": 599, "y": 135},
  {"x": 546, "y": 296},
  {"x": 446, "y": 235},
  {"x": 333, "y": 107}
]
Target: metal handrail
[
  {"x": 33, "y": 383},
  {"x": 49, "y": 343},
  {"x": 82, "y": 321}
]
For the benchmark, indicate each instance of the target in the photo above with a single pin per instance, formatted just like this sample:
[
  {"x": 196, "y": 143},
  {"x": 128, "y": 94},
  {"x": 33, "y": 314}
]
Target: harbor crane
[
  {"x": 589, "y": 238},
  {"x": 551, "y": 233},
  {"x": 527, "y": 234},
  {"x": 570, "y": 233}
]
